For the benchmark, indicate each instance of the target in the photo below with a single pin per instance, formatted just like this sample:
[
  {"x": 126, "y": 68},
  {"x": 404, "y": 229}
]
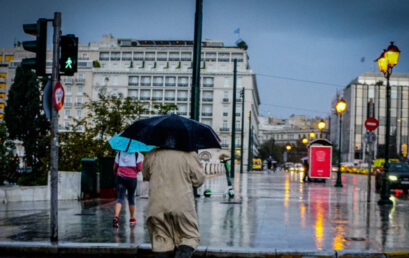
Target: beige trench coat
[{"x": 172, "y": 218}]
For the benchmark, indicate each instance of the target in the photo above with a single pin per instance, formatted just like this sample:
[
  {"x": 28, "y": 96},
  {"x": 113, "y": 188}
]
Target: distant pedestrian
[
  {"x": 306, "y": 166},
  {"x": 126, "y": 168},
  {"x": 269, "y": 163},
  {"x": 172, "y": 219}
]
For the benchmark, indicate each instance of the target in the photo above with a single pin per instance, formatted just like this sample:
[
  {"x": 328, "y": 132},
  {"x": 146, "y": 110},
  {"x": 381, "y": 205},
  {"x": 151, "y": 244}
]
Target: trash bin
[
  {"x": 88, "y": 178},
  {"x": 106, "y": 178}
]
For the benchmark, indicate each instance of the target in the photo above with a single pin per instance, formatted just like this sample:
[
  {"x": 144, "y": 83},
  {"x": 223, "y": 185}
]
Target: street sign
[
  {"x": 320, "y": 161},
  {"x": 371, "y": 123},
  {"x": 58, "y": 96},
  {"x": 370, "y": 137}
]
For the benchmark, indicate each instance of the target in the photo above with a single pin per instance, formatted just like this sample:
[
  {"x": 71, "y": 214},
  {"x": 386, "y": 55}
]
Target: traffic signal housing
[
  {"x": 69, "y": 54},
  {"x": 38, "y": 46}
]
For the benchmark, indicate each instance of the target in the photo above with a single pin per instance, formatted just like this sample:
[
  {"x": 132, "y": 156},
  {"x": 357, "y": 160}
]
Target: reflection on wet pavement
[{"x": 276, "y": 210}]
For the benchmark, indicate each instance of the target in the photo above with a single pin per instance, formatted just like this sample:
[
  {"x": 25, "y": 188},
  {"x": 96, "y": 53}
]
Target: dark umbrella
[{"x": 173, "y": 132}]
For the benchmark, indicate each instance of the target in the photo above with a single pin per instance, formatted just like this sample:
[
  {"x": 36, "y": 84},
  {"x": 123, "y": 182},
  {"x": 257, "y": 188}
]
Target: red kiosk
[{"x": 320, "y": 160}]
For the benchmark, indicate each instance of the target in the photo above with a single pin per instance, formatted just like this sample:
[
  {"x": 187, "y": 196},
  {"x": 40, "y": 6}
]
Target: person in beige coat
[{"x": 172, "y": 219}]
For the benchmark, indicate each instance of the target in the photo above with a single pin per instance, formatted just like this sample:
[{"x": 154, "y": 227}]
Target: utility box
[
  {"x": 107, "y": 178},
  {"x": 88, "y": 178}
]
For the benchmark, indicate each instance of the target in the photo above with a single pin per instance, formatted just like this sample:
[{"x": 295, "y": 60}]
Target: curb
[{"x": 77, "y": 250}]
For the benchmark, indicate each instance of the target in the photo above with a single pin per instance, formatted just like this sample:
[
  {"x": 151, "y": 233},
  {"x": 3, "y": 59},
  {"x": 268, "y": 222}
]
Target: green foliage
[
  {"x": 8, "y": 163},
  {"x": 96, "y": 64},
  {"x": 24, "y": 119},
  {"x": 163, "y": 109},
  {"x": 271, "y": 148},
  {"x": 243, "y": 45}
]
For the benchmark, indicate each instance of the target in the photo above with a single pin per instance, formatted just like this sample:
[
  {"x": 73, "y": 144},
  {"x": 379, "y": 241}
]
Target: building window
[
  {"x": 170, "y": 81},
  {"x": 157, "y": 95},
  {"x": 137, "y": 56},
  {"x": 238, "y": 56},
  {"x": 115, "y": 56},
  {"x": 183, "y": 81},
  {"x": 145, "y": 94},
  {"x": 208, "y": 81},
  {"x": 162, "y": 56},
  {"x": 146, "y": 81},
  {"x": 169, "y": 95},
  {"x": 211, "y": 56},
  {"x": 67, "y": 102},
  {"x": 207, "y": 122},
  {"x": 68, "y": 90},
  {"x": 2, "y": 85},
  {"x": 158, "y": 81},
  {"x": 133, "y": 94},
  {"x": 225, "y": 111},
  {"x": 104, "y": 56},
  {"x": 9, "y": 58},
  {"x": 127, "y": 56},
  {"x": 227, "y": 82},
  {"x": 133, "y": 80},
  {"x": 67, "y": 114},
  {"x": 224, "y": 57},
  {"x": 182, "y": 95},
  {"x": 207, "y": 96},
  {"x": 80, "y": 90},
  {"x": 79, "y": 114},
  {"x": 174, "y": 56},
  {"x": 186, "y": 56},
  {"x": 150, "y": 56},
  {"x": 182, "y": 110}
]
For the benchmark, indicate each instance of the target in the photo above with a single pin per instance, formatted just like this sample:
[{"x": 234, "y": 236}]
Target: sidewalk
[{"x": 272, "y": 215}]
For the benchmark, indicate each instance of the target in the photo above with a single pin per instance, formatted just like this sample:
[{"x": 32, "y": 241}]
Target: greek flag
[{"x": 237, "y": 31}]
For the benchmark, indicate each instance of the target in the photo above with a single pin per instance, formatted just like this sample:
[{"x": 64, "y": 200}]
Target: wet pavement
[{"x": 274, "y": 210}]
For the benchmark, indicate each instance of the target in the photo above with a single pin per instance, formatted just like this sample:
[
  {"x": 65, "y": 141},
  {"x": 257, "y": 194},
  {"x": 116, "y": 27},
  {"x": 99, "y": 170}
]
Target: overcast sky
[{"x": 328, "y": 43}]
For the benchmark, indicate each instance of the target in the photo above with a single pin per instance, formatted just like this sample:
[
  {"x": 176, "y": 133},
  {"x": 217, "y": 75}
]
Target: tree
[
  {"x": 243, "y": 45},
  {"x": 163, "y": 109},
  {"x": 8, "y": 163},
  {"x": 25, "y": 121},
  {"x": 270, "y": 148}
]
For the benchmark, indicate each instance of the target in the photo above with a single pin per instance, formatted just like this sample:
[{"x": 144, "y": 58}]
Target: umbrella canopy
[
  {"x": 173, "y": 132},
  {"x": 118, "y": 142}
]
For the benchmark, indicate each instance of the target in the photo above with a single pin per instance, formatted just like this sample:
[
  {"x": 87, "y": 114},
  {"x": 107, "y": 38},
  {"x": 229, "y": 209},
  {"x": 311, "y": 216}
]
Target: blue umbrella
[{"x": 120, "y": 143}]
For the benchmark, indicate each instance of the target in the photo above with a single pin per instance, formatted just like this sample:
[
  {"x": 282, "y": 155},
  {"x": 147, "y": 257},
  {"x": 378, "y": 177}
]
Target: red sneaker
[
  {"x": 132, "y": 221},
  {"x": 115, "y": 222}
]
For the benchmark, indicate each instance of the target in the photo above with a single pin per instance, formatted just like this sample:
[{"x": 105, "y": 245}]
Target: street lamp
[
  {"x": 321, "y": 126},
  {"x": 288, "y": 147},
  {"x": 312, "y": 135},
  {"x": 304, "y": 140},
  {"x": 340, "y": 107},
  {"x": 386, "y": 62}
]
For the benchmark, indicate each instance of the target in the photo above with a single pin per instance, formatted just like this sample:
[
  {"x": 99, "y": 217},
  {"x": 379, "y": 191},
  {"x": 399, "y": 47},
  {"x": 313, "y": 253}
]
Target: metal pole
[
  {"x": 197, "y": 46},
  {"x": 369, "y": 172},
  {"x": 339, "y": 181},
  {"x": 249, "y": 151},
  {"x": 54, "y": 130},
  {"x": 233, "y": 122},
  {"x": 242, "y": 131},
  {"x": 385, "y": 194}
]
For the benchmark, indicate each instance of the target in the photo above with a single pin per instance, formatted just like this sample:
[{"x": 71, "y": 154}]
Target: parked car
[{"x": 398, "y": 176}]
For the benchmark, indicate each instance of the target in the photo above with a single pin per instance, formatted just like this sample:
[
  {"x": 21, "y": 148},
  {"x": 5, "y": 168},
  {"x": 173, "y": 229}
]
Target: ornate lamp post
[
  {"x": 304, "y": 140},
  {"x": 341, "y": 106},
  {"x": 321, "y": 126},
  {"x": 386, "y": 62},
  {"x": 312, "y": 135},
  {"x": 288, "y": 147}
]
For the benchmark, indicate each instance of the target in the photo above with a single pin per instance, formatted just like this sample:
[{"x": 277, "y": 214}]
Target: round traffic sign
[
  {"x": 371, "y": 123},
  {"x": 58, "y": 96}
]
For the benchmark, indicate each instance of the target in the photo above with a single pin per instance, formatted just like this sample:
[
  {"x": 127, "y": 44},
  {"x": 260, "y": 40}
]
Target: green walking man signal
[{"x": 68, "y": 63}]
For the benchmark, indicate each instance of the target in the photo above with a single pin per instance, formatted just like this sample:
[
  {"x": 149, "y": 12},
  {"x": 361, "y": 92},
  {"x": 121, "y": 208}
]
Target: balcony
[
  {"x": 145, "y": 98},
  {"x": 156, "y": 98},
  {"x": 238, "y": 114},
  {"x": 145, "y": 83},
  {"x": 224, "y": 129},
  {"x": 68, "y": 80},
  {"x": 181, "y": 113},
  {"x": 78, "y": 104},
  {"x": 224, "y": 145},
  {"x": 182, "y": 98},
  {"x": 160, "y": 84},
  {"x": 224, "y": 59},
  {"x": 208, "y": 85},
  {"x": 225, "y": 113},
  {"x": 225, "y": 100},
  {"x": 170, "y": 84},
  {"x": 180, "y": 84},
  {"x": 169, "y": 98},
  {"x": 207, "y": 113},
  {"x": 68, "y": 104},
  {"x": 207, "y": 99},
  {"x": 80, "y": 80}
]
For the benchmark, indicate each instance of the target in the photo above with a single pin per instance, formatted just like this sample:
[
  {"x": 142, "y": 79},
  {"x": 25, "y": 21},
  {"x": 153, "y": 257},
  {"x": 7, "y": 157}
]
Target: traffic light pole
[
  {"x": 54, "y": 130},
  {"x": 233, "y": 123},
  {"x": 197, "y": 46}
]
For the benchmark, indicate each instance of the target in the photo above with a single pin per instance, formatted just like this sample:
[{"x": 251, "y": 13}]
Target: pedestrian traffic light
[
  {"x": 38, "y": 46},
  {"x": 69, "y": 54}
]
